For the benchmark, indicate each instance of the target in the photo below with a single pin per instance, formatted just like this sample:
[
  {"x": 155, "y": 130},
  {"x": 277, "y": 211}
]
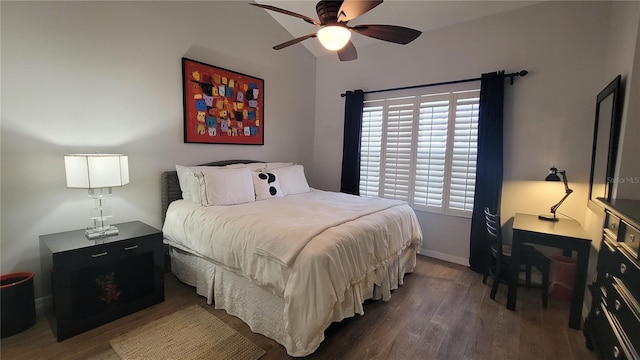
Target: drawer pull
[
  {"x": 632, "y": 238},
  {"x": 99, "y": 254},
  {"x": 617, "y": 305},
  {"x": 623, "y": 268},
  {"x": 616, "y": 352},
  {"x": 131, "y": 247},
  {"x": 597, "y": 312}
]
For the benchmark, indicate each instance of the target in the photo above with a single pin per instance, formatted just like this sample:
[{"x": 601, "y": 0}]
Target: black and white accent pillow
[{"x": 266, "y": 185}]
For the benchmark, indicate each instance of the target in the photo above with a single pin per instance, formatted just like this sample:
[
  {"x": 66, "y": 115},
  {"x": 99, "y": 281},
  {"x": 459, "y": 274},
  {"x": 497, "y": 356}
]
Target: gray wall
[
  {"x": 106, "y": 76},
  {"x": 622, "y": 56},
  {"x": 626, "y": 51}
]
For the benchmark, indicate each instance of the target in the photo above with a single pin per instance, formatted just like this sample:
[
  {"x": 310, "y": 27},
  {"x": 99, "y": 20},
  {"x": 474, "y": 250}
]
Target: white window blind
[
  {"x": 465, "y": 153},
  {"x": 422, "y": 149},
  {"x": 431, "y": 153},
  {"x": 370, "y": 149},
  {"x": 396, "y": 166}
]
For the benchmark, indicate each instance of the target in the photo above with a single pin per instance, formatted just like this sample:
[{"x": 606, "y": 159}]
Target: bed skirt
[{"x": 264, "y": 311}]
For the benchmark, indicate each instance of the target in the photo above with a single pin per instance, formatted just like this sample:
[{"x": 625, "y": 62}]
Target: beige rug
[{"x": 191, "y": 333}]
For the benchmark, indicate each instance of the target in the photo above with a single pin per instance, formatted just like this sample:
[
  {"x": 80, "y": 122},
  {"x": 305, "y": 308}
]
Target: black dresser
[{"x": 612, "y": 328}]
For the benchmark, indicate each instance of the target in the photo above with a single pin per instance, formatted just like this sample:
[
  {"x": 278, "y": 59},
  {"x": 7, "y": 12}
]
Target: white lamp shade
[
  {"x": 334, "y": 37},
  {"x": 94, "y": 171}
]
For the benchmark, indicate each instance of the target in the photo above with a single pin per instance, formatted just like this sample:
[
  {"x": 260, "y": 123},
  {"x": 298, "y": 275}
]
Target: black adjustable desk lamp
[{"x": 553, "y": 176}]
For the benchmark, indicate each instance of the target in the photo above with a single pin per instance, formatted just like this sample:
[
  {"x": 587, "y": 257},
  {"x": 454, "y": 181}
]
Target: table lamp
[
  {"x": 553, "y": 176},
  {"x": 99, "y": 173}
]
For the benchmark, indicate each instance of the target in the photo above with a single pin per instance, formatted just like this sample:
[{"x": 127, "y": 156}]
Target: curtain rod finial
[{"x": 523, "y": 73}]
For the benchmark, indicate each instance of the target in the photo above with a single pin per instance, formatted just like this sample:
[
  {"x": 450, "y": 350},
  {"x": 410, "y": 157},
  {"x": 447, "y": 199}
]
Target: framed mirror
[{"x": 605, "y": 141}]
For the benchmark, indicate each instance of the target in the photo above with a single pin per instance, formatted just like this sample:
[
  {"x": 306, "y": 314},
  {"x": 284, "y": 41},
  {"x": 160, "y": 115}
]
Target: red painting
[{"x": 221, "y": 106}]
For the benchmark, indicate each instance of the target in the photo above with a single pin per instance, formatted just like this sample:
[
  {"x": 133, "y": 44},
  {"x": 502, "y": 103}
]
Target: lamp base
[
  {"x": 96, "y": 233},
  {"x": 548, "y": 218}
]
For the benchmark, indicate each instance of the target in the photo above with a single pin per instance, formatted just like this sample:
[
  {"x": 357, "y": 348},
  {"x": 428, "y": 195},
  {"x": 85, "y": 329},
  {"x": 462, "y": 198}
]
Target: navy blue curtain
[
  {"x": 488, "y": 168},
  {"x": 350, "y": 181}
]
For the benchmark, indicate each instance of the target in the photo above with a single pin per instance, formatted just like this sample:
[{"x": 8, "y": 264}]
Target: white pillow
[
  {"x": 256, "y": 166},
  {"x": 225, "y": 186},
  {"x": 183, "y": 172},
  {"x": 276, "y": 165},
  {"x": 189, "y": 183},
  {"x": 233, "y": 166},
  {"x": 266, "y": 185},
  {"x": 292, "y": 180}
]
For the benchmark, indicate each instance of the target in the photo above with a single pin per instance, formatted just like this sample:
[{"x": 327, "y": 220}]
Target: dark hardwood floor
[{"x": 443, "y": 311}]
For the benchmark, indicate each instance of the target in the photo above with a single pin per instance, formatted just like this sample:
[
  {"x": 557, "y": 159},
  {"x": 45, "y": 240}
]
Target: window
[{"x": 422, "y": 149}]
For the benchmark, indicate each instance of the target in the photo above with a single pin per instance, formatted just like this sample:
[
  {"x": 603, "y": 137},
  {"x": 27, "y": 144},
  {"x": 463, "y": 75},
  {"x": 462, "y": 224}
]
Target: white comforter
[{"x": 307, "y": 248}]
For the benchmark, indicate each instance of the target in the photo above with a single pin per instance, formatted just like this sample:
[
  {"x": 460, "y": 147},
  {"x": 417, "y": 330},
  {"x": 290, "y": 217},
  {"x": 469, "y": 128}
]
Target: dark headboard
[{"x": 170, "y": 185}]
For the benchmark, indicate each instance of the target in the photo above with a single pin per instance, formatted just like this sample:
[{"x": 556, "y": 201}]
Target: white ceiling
[{"x": 423, "y": 15}]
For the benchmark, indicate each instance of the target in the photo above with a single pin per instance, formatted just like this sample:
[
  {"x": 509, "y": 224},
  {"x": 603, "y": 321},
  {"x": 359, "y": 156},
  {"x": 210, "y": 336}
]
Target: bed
[{"x": 288, "y": 266}]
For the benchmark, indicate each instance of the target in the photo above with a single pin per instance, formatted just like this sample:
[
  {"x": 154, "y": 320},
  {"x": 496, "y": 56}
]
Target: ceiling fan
[{"x": 335, "y": 34}]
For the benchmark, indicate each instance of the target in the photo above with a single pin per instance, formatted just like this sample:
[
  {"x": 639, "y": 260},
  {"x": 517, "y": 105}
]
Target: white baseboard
[
  {"x": 535, "y": 277},
  {"x": 42, "y": 304},
  {"x": 445, "y": 257}
]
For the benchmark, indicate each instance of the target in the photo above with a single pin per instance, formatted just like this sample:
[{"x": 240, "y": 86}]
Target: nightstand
[{"x": 93, "y": 282}]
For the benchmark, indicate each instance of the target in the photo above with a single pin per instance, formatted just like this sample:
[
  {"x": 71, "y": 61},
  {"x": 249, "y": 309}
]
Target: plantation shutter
[
  {"x": 422, "y": 149},
  {"x": 465, "y": 153},
  {"x": 371, "y": 147},
  {"x": 397, "y": 148},
  {"x": 431, "y": 153}
]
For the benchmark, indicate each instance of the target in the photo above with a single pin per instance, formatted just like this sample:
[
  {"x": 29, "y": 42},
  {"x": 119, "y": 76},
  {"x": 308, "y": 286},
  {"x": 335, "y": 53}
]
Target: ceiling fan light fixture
[
  {"x": 334, "y": 37},
  {"x": 334, "y": 33}
]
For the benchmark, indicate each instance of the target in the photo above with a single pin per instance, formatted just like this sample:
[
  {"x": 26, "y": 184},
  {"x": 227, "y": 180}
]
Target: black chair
[{"x": 498, "y": 269}]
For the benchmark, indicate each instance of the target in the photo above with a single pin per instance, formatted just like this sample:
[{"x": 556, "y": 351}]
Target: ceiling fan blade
[
  {"x": 348, "y": 52},
  {"x": 293, "y": 41},
  {"x": 351, "y": 9},
  {"x": 392, "y": 33},
  {"x": 287, "y": 12}
]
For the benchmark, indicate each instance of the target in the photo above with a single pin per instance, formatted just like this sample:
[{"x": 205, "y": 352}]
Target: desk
[{"x": 565, "y": 234}]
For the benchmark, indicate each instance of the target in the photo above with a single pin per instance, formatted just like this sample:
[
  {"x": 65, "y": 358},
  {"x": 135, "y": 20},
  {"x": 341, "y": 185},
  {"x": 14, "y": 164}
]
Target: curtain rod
[{"x": 510, "y": 76}]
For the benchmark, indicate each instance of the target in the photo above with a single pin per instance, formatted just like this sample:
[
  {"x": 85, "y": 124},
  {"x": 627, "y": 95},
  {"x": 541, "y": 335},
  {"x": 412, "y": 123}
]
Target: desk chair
[{"x": 501, "y": 258}]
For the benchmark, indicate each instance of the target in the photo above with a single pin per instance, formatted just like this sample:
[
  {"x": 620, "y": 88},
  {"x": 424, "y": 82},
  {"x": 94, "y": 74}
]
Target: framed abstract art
[{"x": 221, "y": 106}]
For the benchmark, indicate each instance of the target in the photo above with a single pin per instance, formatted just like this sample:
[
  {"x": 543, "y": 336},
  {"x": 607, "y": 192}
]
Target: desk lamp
[
  {"x": 98, "y": 173},
  {"x": 553, "y": 176}
]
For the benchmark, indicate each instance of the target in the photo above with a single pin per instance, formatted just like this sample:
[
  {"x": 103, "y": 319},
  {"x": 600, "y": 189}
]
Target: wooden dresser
[{"x": 612, "y": 328}]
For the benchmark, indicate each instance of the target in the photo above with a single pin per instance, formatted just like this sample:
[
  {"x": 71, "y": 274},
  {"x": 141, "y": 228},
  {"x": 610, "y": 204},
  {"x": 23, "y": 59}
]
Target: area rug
[{"x": 190, "y": 333}]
